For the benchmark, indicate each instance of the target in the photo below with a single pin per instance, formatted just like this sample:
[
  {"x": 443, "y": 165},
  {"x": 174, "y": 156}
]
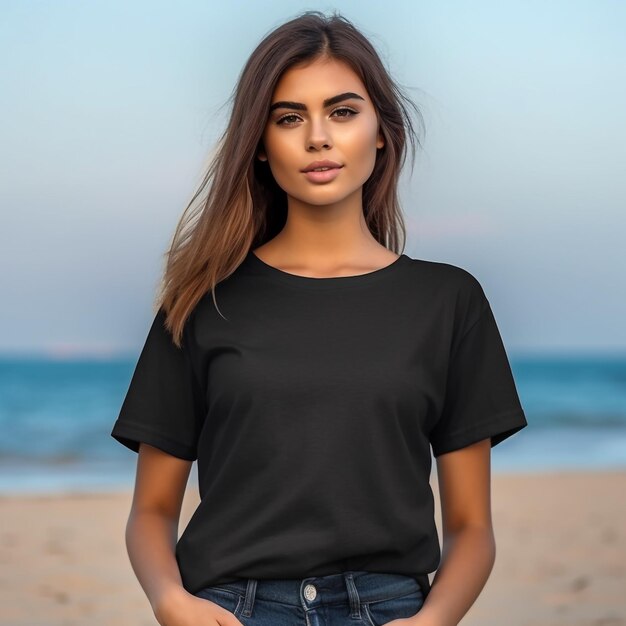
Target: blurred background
[{"x": 108, "y": 113}]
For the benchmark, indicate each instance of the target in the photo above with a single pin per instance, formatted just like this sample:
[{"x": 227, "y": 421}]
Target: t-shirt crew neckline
[{"x": 325, "y": 282}]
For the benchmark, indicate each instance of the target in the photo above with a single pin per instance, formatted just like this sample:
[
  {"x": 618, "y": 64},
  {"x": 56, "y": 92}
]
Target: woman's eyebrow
[{"x": 284, "y": 104}]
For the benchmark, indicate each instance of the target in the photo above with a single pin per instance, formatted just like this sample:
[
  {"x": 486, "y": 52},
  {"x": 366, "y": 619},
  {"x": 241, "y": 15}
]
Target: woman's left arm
[{"x": 469, "y": 548}]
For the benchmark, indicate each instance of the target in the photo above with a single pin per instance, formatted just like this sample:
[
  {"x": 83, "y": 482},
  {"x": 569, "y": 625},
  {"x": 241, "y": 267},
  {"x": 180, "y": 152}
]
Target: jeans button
[{"x": 310, "y": 592}]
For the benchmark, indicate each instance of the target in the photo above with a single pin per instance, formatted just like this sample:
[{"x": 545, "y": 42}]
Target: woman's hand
[{"x": 181, "y": 608}]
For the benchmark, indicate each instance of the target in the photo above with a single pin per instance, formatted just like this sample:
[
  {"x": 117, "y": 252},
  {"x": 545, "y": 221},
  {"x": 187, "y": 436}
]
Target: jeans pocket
[
  {"x": 226, "y": 598},
  {"x": 380, "y": 612}
]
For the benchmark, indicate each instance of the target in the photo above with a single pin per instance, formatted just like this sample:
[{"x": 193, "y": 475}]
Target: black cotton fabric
[{"x": 312, "y": 411}]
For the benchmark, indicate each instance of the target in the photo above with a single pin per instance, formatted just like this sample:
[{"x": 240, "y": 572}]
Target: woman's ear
[
  {"x": 380, "y": 139},
  {"x": 261, "y": 152}
]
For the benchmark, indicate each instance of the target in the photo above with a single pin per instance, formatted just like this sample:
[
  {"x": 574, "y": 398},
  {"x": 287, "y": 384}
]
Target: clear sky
[{"x": 109, "y": 108}]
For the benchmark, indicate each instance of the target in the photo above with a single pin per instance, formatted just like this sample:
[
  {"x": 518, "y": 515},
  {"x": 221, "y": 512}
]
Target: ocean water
[{"x": 56, "y": 417}]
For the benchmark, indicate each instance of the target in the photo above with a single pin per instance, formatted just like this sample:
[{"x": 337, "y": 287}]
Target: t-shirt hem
[
  {"x": 132, "y": 434},
  {"x": 498, "y": 428}
]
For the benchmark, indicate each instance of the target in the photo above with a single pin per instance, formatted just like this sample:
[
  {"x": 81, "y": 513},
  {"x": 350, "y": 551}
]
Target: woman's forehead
[{"x": 317, "y": 82}]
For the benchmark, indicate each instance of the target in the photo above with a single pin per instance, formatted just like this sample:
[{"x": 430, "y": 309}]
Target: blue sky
[{"x": 109, "y": 110}]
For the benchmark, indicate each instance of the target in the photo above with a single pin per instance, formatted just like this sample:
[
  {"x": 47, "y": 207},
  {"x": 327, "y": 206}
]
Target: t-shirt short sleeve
[
  {"x": 481, "y": 398},
  {"x": 163, "y": 406}
]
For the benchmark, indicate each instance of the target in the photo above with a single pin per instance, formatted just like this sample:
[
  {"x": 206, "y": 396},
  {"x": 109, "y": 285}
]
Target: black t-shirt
[{"x": 311, "y": 410}]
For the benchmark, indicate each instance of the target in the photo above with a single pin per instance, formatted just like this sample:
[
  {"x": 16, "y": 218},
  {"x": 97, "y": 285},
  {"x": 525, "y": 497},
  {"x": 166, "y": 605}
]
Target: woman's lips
[{"x": 324, "y": 176}]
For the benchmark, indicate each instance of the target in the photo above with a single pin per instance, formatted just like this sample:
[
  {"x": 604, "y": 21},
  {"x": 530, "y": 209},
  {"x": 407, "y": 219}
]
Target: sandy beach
[{"x": 561, "y": 543}]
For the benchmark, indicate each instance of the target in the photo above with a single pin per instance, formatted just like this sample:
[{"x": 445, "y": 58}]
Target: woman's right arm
[
  {"x": 152, "y": 528},
  {"x": 151, "y": 536}
]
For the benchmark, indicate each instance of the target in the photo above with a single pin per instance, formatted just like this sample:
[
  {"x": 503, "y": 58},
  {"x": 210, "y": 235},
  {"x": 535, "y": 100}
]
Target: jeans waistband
[{"x": 330, "y": 589}]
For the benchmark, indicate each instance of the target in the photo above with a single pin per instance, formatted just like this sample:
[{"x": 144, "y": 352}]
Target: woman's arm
[
  {"x": 469, "y": 549},
  {"x": 152, "y": 528}
]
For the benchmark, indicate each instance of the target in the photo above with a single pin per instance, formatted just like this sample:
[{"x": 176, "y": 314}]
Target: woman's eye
[
  {"x": 281, "y": 121},
  {"x": 286, "y": 117},
  {"x": 351, "y": 111}
]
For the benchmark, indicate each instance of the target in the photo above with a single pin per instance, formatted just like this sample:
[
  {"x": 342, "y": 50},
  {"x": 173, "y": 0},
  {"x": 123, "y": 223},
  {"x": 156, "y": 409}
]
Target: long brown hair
[{"x": 243, "y": 206}]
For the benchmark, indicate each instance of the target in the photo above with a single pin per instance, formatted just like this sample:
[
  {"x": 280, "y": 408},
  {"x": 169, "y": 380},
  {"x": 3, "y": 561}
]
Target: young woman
[{"x": 309, "y": 368}]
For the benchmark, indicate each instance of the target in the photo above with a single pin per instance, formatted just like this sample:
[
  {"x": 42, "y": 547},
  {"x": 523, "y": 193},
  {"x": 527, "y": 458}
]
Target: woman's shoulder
[{"x": 447, "y": 276}]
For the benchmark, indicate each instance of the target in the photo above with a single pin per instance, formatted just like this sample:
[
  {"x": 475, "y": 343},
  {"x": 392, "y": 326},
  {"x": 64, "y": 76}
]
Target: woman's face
[{"x": 303, "y": 129}]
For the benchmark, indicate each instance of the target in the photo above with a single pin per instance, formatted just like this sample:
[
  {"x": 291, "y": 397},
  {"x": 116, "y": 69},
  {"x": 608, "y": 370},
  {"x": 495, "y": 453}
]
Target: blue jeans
[{"x": 353, "y": 598}]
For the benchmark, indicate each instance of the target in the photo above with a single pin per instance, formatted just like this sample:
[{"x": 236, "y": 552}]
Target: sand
[{"x": 561, "y": 555}]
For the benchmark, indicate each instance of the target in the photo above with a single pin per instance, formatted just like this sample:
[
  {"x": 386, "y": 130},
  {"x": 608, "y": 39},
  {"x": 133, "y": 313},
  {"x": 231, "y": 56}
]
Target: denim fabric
[{"x": 353, "y": 598}]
